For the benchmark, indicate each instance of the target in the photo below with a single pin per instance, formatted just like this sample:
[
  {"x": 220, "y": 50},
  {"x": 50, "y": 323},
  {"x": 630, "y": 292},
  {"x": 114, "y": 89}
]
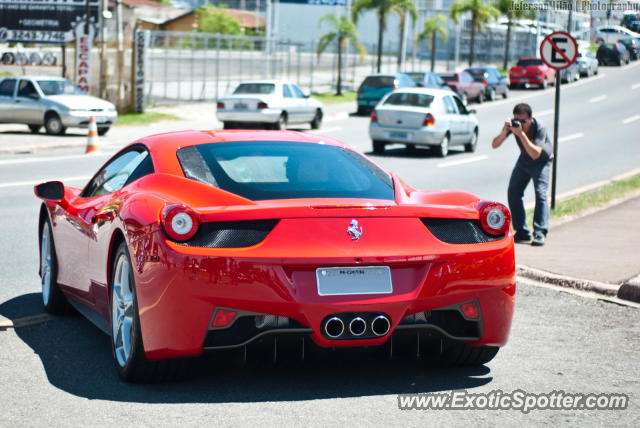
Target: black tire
[
  {"x": 505, "y": 94},
  {"x": 492, "y": 94},
  {"x": 459, "y": 354},
  {"x": 53, "y": 124},
  {"x": 316, "y": 123},
  {"x": 135, "y": 367},
  {"x": 544, "y": 84},
  {"x": 103, "y": 130},
  {"x": 443, "y": 148},
  {"x": 470, "y": 147},
  {"x": 480, "y": 98},
  {"x": 227, "y": 125},
  {"x": 282, "y": 122},
  {"x": 53, "y": 300},
  {"x": 378, "y": 147},
  {"x": 34, "y": 128}
]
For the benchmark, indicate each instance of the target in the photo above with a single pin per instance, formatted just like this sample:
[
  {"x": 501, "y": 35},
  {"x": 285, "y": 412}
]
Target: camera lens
[{"x": 515, "y": 122}]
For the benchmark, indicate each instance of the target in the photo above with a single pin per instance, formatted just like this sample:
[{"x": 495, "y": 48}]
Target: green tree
[
  {"x": 432, "y": 27},
  {"x": 513, "y": 10},
  {"x": 342, "y": 31},
  {"x": 215, "y": 20},
  {"x": 481, "y": 14},
  {"x": 402, "y": 11},
  {"x": 382, "y": 8}
]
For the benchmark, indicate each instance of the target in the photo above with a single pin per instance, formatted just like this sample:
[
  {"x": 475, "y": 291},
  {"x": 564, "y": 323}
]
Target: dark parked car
[
  {"x": 376, "y": 86},
  {"x": 633, "y": 46},
  {"x": 464, "y": 85},
  {"x": 427, "y": 79},
  {"x": 495, "y": 83},
  {"x": 612, "y": 53}
]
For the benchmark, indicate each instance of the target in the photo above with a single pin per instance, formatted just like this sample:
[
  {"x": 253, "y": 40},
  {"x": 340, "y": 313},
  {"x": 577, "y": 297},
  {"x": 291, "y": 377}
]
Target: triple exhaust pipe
[{"x": 357, "y": 326}]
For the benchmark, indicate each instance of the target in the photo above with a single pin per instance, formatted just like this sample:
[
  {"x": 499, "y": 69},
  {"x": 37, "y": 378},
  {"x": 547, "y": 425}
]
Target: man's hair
[{"x": 522, "y": 108}]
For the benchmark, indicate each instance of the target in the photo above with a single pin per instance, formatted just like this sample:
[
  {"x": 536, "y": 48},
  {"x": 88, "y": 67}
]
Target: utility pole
[
  {"x": 120, "y": 53},
  {"x": 103, "y": 47}
]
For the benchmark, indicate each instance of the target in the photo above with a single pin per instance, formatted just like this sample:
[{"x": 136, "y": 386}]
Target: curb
[{"x": 629, "y": 291}]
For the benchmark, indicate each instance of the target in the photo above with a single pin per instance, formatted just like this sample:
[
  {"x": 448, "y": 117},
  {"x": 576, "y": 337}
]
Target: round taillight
[
  {"x": 494, "y": 218},
  {"x": 179, "y": 222}
]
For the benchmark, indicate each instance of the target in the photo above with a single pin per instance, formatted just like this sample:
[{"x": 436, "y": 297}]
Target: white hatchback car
[
  {"x": 273, "y": 103},
  {"x": 613, "y": 33},
  {"x": 423, "y": 117}
]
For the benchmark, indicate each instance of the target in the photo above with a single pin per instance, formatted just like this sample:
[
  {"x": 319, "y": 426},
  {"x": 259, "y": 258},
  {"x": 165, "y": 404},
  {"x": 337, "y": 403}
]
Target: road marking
[
  {"x": 598, "y": 99},
  {"x": 544, "y": 113},
  {"x": 34, "y": 182},
  {"x": 462, "y": 161},
  {"x": 25, "y": 321},
  {"x": 631, "y": 119},
  {"x": 636, "y": 86},
  {"x": 570, "y": 137},
  {"x": 52, "y": 158}
]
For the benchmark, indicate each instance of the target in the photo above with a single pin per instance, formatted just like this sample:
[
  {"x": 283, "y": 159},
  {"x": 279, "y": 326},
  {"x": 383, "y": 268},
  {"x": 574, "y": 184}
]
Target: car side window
[
  {"x": 122, "y": 170},
  {"x": 26, "y": 89},
  {"x": 286, "y": 92},
  {"x": 6, "y": 87},
  {"x": 461, "y": 107},
  {"x": 297, "y": 91},
  {"x": 450, "y": 106}
]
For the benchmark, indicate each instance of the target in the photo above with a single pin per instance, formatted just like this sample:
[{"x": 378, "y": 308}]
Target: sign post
[{"x": 558, "y": 50}]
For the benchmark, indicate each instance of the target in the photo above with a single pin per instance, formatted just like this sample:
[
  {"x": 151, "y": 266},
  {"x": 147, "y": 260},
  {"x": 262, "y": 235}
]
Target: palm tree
[
  {"x": 382, "y": 8},
  {"x": 513, "y": 10},
  {"x": 432, "y": 27},
  {"x": 481, "y": 14},
  {"x": 402, "y": 11},
  {"x": 343, "y": 31}
]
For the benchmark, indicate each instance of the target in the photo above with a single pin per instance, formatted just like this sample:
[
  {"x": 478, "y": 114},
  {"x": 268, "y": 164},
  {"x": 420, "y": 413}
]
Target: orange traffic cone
[{"x": 93, "y": 145}]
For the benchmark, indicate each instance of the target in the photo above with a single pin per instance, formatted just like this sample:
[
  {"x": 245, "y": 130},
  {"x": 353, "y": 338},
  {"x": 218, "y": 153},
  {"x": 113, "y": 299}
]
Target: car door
[
  {"x": 466, "y": 127},
  {"x": 307, "y": 109},
  {"x": 451, "y": 113},
  {"x": 290, "y": 104},
  {"x": 27, "y": 105},
  {"x": 7, "y": 90}
]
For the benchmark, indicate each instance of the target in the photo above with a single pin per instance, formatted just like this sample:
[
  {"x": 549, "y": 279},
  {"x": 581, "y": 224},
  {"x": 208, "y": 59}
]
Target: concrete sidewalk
[{"x": 597, "y": 252}]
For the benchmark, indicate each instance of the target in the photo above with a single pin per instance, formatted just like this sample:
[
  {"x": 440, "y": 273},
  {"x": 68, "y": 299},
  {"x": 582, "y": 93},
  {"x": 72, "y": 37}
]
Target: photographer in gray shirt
[{"x": 534, "y": 163}]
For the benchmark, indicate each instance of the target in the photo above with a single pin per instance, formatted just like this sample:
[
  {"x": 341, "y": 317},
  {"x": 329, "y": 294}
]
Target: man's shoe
[
  {"x": 538, "y": 241},
  {"x": 519, "y": 239}
]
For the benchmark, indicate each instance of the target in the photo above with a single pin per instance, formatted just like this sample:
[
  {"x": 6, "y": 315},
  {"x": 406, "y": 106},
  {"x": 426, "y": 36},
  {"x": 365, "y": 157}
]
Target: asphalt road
[{"x": 60, "y": 373}]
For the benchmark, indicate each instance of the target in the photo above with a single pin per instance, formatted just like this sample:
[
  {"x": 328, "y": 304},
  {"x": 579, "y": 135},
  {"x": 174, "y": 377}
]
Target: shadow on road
[
  {"x": 77, "y": 359},
  {"x": 415, "y": 153}
]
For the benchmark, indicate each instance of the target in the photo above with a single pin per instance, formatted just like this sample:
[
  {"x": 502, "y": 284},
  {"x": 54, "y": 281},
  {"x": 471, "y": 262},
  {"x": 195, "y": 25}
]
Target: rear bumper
[
  {"x": 249, "y": 116},
  {"x": 179, "y": 289},
  {"x": 81, "y": 119},
  {"x": 535, "y": 80},
  {"x": 425, "y": 135}
]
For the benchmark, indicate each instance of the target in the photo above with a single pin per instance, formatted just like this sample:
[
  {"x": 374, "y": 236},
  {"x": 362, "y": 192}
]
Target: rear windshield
[
  {"x": 379, "y": 82},
  {"x": 416, "y": 77},
  {"x": 477, "y": 73},
  {"x": 449, "y": 77},
  {"x": 259, "y": 170},
  {"x": 528, "y": 62},
  {"x": 255, "y": 88},
  {"x": 408, "y": 99}
]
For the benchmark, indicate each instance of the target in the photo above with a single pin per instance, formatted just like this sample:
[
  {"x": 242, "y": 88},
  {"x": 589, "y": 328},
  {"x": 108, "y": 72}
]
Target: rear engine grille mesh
[
  {"x": 458, "y": 231},
  {"x": 231, "y": 234}
]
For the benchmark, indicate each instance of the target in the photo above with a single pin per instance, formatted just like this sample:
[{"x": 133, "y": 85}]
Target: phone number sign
[{"x": 43, "y": 21}]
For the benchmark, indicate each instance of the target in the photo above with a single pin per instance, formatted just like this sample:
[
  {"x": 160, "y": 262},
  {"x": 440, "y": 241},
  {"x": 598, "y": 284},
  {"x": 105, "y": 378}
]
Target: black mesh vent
[
  {"x": 231, "y": 234},
  {"x": 458, "y": 231}
]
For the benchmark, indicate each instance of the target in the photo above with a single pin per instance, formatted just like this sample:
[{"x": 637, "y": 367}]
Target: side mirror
[
  {"x": 472, "y": 111},
  {"x": 50, "y": 191},
  {"x": 34, "y": 96}
]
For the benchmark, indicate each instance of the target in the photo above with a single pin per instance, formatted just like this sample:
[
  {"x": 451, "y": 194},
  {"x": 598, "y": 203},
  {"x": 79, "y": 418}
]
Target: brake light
[
  {"x": 485, "y": 83},
  {"x": 223, "y": 317},
  {"x": 262, "y": 105},
  {"x": 470, "y": 310},
  {"x": 179, "y": 222},
  {"x": 429, "y": 120},
  {"x": 495, "y": 218},
  {"x": 374, "y": 117},
  {"x": 220, "y": 106}
]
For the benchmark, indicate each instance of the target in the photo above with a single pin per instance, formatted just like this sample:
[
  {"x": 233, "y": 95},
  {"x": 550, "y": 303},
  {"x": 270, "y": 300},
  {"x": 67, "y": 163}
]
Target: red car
[
  {"x": 198, "y": 241},
  {"x": 531, "y": 70},
  {"x": 464, "y": 85}
]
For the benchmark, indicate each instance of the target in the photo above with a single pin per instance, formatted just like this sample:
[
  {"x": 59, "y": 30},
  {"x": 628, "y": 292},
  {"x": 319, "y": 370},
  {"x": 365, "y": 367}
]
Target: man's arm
[
  {"x": 499, "y": 139},
  {"x": 532, "y": 150}
]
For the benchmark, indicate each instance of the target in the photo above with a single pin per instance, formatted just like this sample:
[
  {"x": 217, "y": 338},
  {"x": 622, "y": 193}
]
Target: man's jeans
[{"x": 541, "y": 175}]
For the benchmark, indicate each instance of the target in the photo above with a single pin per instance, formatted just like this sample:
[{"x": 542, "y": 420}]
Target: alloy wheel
[{"x": 122, "y": 310}]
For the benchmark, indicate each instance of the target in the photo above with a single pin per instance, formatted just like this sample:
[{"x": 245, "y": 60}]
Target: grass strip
[{"x": 139, "y": 119}]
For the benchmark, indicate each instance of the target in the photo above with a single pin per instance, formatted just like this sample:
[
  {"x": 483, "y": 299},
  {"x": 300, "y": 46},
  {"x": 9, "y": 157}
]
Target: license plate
[
  {"x": 524, "y": 79},
  {"x": 241, "y": 106},
  {"x": 400, "y": 135},
  {"x": 101, "y": 119},
  {"x": 339, "y": 281}
]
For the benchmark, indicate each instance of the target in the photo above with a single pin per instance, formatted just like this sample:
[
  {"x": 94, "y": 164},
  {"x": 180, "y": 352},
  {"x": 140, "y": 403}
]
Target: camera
[{"x": 515, "y": 123}]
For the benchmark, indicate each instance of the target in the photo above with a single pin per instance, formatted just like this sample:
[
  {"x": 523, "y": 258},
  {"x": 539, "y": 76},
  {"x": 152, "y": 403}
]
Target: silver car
[
  {"x": 273, "y": 103},
  {"x": 423, "y": 117},
  {"x": 53, "y": 102},
  {"x": 587, "y": 63}
]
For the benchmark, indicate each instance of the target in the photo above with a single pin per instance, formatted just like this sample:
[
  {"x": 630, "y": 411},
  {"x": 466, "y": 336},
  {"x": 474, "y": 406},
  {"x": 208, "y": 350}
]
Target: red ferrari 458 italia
[{"x": 197, "y": 241}]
